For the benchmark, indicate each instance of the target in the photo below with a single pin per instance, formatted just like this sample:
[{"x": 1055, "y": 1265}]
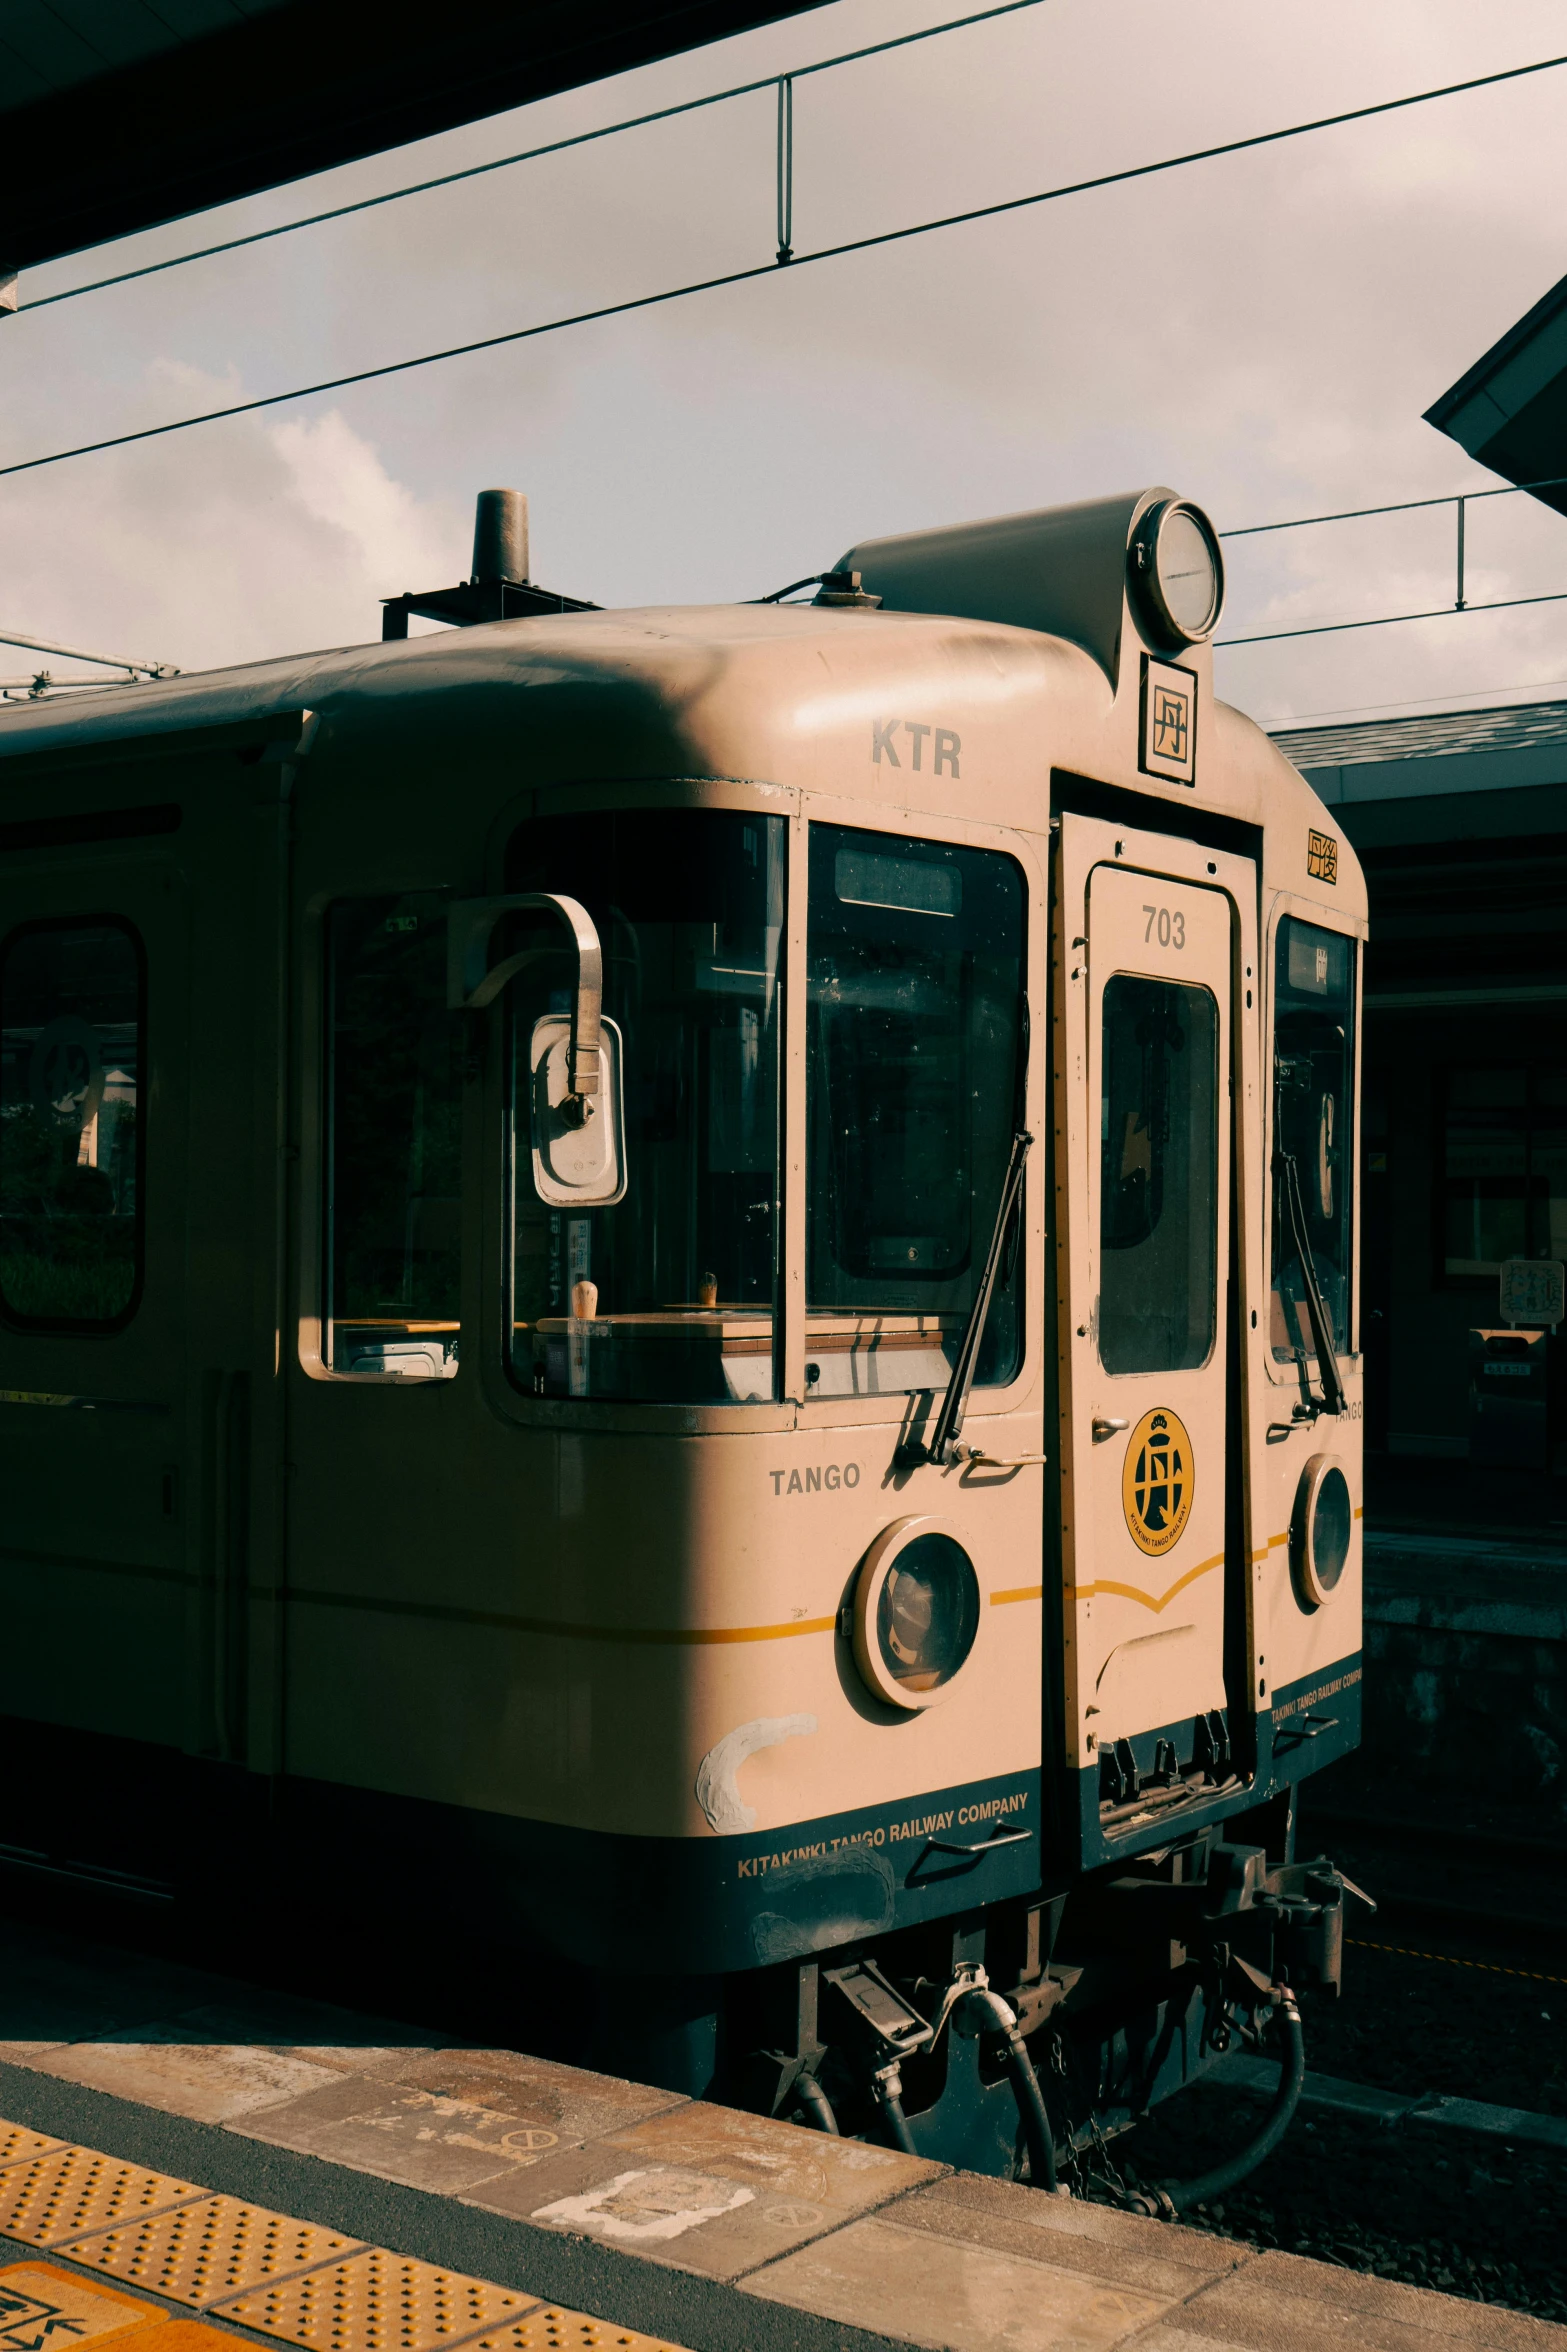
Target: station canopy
[
  {"x": 116, "y": 115},
  {"x": 1510, "y": 409}
]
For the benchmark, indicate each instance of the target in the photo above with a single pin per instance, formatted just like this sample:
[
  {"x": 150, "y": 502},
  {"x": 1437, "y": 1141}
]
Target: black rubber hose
[
  {"x": 1036, "y": 2122},
  {"x": 891, "y": 2105},
  {"x": 1025, "y": 2088},
  {"x": 816, "y": 2103},
  {"x": 1181, "y": 2196}
]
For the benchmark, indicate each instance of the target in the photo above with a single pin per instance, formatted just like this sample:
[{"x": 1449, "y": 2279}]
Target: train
[{"x": 678, "y": 1304}]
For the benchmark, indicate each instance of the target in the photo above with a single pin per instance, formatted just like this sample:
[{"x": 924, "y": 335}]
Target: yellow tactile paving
[
  {"x": 376, "y": 2302},
  {"x": 207, "y": 2252},
  {"x": 62, "y": 2196},
  {"x": 179, "y": 2335},
  {"x": 551, "y": 2330},
  {"x": 231, "y": 2261},
  {"x": 18, "y": 2145}
]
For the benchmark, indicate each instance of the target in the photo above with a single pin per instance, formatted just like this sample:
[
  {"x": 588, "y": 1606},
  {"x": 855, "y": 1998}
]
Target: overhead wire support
[
  {"x": 740, "y": 277},
  {"x": 785, "y": 170},
  {"x": 1460, "y": 501},
  {"x": 474, "y": 171},
  {"x": 1438, "y": 612},
  {"x": 1360, "y": 514}
]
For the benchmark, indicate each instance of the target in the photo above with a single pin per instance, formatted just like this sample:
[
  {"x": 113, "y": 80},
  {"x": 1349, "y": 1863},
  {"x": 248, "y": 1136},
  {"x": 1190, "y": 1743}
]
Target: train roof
[
  {"x": 797, "y": 695},
  {"x": 651, "y": 648}
]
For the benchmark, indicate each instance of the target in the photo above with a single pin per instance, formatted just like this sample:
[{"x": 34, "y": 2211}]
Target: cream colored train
[{"x": 677, "y": 1304}]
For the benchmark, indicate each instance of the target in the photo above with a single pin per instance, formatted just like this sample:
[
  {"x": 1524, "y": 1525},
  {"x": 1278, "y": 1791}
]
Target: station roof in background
[
  {"x": 1508, "y": 726},
  {"x": 1510, "y": 409},
  {"x": 117, "y": 115},
  {"x": 1440, "y": 776}
]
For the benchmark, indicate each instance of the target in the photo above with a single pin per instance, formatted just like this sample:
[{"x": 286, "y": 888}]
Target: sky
[{"x": 1261, "y": 332}]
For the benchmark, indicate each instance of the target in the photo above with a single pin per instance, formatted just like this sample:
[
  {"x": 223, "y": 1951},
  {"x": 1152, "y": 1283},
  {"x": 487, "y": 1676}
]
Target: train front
[{"x": 914, "y": 1473}]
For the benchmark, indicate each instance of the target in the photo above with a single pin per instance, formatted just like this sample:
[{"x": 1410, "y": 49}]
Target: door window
[
  {"x": 1158, "y": 1175},
  {"x": 1314, "y": 1075},
  {"x": 915, "y": 952},
  {"x": 393, "y": 1151},
  {"x": 71, "y": 1042}
]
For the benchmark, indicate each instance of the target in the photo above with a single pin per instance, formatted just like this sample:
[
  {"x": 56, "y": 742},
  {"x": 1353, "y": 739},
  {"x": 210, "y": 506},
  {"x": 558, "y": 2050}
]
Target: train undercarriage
[{"x": 1022, "y": 2039}]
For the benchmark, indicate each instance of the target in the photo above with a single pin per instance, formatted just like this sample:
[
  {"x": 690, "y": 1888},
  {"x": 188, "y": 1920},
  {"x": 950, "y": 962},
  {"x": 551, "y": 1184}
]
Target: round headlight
[
  {"x": 916, "y": 1613},
  {"x": 1178, "y": 572},
  {"x": 1320, "y": 1529}
]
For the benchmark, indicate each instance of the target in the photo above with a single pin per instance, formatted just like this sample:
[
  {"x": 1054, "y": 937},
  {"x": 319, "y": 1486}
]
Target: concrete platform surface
[{"x": 255, "y": 2167}]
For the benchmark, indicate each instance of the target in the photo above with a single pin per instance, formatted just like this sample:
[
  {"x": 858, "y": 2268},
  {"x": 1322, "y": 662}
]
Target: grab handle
[{"x": 997, "y": 1837}]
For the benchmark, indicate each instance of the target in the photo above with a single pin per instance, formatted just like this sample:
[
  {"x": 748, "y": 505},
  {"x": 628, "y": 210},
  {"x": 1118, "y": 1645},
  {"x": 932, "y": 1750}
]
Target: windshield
[
  {"x": 915, "y": 953},
  {"x": 1314, "y": 1075},
  {"x": 668, "y": 1295}
]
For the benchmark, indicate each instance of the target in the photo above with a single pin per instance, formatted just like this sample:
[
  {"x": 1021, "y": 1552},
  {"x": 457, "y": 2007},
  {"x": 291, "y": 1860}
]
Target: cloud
[
  {"x": 337, "y": 480},
  {"x": 275, "y": 538}
]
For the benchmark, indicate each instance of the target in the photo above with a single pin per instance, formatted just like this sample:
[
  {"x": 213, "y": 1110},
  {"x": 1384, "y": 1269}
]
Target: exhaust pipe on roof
[
  {"x": 498, "y": 588},
  {"x": 500, "y": 538}
]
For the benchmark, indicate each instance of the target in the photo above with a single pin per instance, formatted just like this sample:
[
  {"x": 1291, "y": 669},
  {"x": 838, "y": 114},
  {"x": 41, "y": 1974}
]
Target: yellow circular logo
[{"x": 1156, "y": 1481}]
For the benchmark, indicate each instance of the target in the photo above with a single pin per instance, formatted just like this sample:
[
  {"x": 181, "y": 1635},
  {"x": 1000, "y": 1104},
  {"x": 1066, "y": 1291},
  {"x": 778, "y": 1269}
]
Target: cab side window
[
  {"x": 72, "y": 1039},
  {"x": 394, "y": 1141},
  {"x": 1313, "y": 1143}
]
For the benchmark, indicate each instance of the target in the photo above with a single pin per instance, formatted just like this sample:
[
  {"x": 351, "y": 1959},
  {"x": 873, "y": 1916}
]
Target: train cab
[{"x": 693, "y": 1271}]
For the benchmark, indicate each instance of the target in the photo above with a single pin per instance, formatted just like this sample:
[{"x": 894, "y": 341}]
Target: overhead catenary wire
[
  {"x": 740, "y": 277},
  {"x": 1356, "y": 514},
  {"x": 1439, "y": 612},
  {"x": 1461, "y": 499},
  {"x": 475, "y": 171},
  {"x": 1414, "y": 702}
]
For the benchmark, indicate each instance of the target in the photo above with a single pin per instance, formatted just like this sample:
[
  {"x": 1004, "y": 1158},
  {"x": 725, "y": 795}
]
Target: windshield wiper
[
  {"x": 943, "y": 1448},
  {"x": 1332, "y": 1397}
]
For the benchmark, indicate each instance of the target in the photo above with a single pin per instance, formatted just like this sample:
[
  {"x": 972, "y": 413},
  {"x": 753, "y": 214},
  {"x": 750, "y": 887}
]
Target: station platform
[{"x": 194, "y": 2162}]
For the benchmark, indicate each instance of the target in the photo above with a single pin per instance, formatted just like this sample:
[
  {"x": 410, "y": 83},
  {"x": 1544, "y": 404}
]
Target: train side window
[
  {"x": 1314, "y": 1096},
  {"x": 1158, "y": 1180},
  {"x": 915, "y": 1044},
  {"x": 72, "y": 1036},
  {"x": 393, "y": 1210}
]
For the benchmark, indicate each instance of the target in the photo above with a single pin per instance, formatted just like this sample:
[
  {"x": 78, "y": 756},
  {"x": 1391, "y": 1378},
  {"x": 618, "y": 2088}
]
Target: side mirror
[{"x": 575, "y": 1098}]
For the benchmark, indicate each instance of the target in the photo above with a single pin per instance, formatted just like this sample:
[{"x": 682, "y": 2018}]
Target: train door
[{"x": 1145, "y": 1175}]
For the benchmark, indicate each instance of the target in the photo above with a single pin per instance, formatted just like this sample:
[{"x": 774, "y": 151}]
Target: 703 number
[{"x": 1168, "y": 922}]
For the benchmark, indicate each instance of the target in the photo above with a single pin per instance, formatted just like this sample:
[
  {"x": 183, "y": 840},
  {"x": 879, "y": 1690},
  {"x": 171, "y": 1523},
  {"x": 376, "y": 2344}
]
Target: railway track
[{"x": 1413, "y": 2156}]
